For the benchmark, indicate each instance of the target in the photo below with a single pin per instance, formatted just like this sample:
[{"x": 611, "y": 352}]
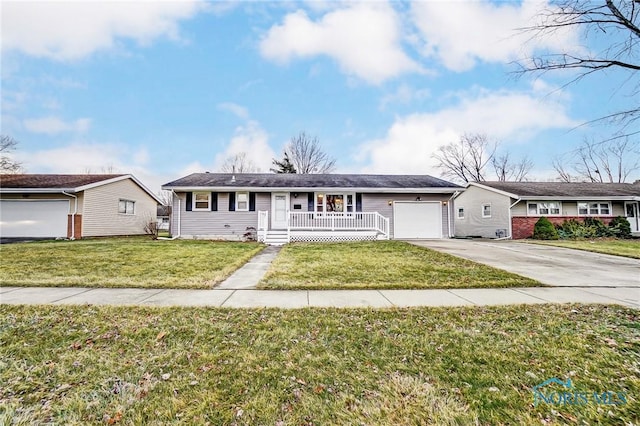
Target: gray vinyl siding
[
  {"x": 302, "y": 199},
  {"x": 100, "y": 215},
  {"x": 380, "y": 203},
  {"x": 473, "y": 224},
  {"x": 221, "y": 224},
  {"x": 224, "y": 224}
]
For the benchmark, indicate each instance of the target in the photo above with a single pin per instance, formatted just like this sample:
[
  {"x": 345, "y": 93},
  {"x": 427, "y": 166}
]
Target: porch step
[{"x": 276, "y": 238}]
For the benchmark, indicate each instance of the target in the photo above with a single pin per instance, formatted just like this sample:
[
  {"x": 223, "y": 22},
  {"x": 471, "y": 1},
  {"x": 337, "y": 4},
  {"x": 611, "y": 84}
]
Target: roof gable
[{"x": 67, "y": 182}]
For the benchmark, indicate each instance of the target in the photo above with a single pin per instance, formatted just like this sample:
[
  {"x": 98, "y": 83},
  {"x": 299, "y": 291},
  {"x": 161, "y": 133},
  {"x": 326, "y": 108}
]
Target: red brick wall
[
  {"x": 522, "y": 226},
  {"x": 77, "y": 228}
]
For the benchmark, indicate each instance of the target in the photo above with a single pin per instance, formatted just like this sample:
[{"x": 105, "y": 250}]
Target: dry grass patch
[
  {"x": 122, "y": 262},
  {"x": 121, "y": 365},
  {"x": 625, "y": 248},
  {"x": 380, "y": 264}
]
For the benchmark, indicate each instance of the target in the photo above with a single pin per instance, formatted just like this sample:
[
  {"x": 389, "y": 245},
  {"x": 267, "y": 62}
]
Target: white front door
[
  {"x": 279, "y": 210},
  {"x": 631, "y": 211}
]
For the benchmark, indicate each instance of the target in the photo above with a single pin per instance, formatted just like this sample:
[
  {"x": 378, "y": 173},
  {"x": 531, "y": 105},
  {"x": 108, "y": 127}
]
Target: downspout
[
  {"x": 173, "y": 237},
  {"x": 510, "y": 236},
  {"x": 451, "y": 212},
  {"x": 73, "y": 215}
]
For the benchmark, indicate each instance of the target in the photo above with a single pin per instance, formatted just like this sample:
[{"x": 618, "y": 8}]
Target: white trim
[
  {"x": 425, "y": 190},
  {"x": 81, "y": 188},
  {"x": 458, "y": 209},
  {"x": 488, "y": 188},
  {"x": 238, "y": 209},
  {"x": 538, "y": 202},
  {"x": 193, "y": 202},
  {"x": 588, "y": 203},
  {"x": 287, "y": 202},
  {"x": 484, "y": 216},
  {"x": 126, "y": 203},
  {"x": 345, "y": 197}
]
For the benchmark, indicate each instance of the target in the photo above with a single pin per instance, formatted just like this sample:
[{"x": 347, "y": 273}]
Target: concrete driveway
[{"x": 554, "y": 266}]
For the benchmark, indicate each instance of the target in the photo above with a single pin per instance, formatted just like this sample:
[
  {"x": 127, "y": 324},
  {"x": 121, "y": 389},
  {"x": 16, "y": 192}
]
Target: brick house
[{"x": 511, "y": 209}]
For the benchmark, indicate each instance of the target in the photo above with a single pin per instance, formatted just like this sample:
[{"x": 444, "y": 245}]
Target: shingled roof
[
  {"x": 51, "y": 181},
  {"x": 302, "y": 181},
  {"x": 566, "y": 189}
]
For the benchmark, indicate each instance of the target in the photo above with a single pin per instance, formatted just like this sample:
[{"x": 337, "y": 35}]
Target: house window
[
  {"x": 202, "y": 201},
  {"x": 461, "y": 213},
  {"x": 334, "y": 203},
  {"x": 242, "y": 201},
  {"x": 126, "y": 207},
  {"x": 592, "y": 208},
  {"x": 486, "y": 210},
  {"x": 544, "y": 208}
]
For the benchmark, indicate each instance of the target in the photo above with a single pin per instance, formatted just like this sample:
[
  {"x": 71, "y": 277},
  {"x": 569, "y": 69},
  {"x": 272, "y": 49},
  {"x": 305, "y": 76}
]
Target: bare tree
[
  {"x": 508, "y": 170},
  {"x": 7, "y": 163},
  {"x": 614, "y": 24},
  {"x": 307, "y": 156},
  {"x": 239, "y": 163},
  {"x": 467, "y": 158},
  {"x": 166, "y": 197},
  {"x": 609, "y": 161}
]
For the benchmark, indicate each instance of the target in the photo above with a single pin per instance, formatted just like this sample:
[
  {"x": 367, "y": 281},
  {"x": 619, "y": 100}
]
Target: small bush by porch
[{"x": 380, "y": 264}]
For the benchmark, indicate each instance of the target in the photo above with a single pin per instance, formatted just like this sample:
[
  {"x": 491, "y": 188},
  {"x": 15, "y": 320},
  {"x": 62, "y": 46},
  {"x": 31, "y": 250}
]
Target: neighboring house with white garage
[
  {"x": 511, "y": 209},
  {"x": 74, "y": 206},
  {"x": 311, "y": 207}
]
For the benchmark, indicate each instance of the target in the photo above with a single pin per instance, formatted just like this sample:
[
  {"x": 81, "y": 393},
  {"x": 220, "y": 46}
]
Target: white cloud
[
  {"x": 237, "y": 110},
  {"x": 404, "y": 94},
  {"x": 510, "y": 117},
  {"x": 364, "y": 38},
  {"x": 254, "y": 141},
  {"x": 73, "y": 30},
  {"x": 460, "y": 33},
  {"x": 55, "y": 125},
  {"x": 83, "y": 157}
]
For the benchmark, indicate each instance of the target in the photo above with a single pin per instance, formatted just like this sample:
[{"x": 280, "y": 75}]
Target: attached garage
[
  {"x": 33, "y": 218},
  {"x": 417, "y": 219}
]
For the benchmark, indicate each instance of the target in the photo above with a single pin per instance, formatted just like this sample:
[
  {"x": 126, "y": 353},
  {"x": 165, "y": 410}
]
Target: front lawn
[
  {"x": 380, "y": 264},
  {"x": 626, "y": 248},
  {"x": 118, "y": 365},
  {"x": 122, "y": 262}
]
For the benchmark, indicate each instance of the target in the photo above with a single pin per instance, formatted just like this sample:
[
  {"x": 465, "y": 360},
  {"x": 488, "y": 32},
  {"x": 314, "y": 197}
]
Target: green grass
[
  {"x": 122, "y": 262},
  {"x": 81, "y": 365},
  {"x": 626, "y": 248},
  {"x": 380, "y": 264}
]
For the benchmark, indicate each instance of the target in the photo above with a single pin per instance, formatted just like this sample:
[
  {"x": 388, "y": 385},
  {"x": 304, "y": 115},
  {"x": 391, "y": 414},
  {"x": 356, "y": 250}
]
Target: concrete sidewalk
[
  {"x": 230, "y": 298},
  {"x": 249, "y": 275}
]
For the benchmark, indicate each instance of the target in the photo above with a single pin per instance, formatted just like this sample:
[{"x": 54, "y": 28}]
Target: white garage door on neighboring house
[
  {"x": 417, "y": 219},
  {"x": 33, "y": 219}
]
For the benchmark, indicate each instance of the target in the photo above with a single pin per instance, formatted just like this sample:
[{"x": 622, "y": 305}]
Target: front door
[
  {"x": 279, "y": 210},
  {"x": 631, "y": 211}
]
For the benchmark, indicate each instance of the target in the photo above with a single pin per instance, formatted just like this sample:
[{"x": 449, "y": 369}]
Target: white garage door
[
  {"x": 419, "y": 219},
  {"x": 34, "y": 219}
]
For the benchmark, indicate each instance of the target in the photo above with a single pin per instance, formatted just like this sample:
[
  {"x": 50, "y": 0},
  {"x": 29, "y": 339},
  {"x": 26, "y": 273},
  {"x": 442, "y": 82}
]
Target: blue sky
[{"x": 163, "y": 89}]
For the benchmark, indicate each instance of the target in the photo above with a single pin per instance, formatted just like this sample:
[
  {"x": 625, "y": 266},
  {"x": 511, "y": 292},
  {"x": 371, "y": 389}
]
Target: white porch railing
[
  {"x": 263, "y": 224},
  {"x": 360, "y": 221}
]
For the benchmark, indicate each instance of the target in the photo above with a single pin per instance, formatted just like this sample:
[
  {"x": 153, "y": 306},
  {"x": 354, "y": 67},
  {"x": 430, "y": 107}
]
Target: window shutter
[
  {"x": 310, "y": 201},
  {"x": 189, "y": 205},
  {"x": 214, "y": 201},
  {"x": 358, "y": 202},
  {"x": 252, "y": 201},
  {"x": 232, "y": 201}
]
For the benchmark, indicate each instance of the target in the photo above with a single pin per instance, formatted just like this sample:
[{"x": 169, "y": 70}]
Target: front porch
[{"x": 322, "y": 227}]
